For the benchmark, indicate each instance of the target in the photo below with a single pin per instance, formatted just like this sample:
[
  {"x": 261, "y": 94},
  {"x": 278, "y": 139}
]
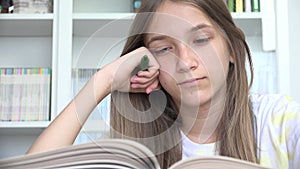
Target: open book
[{"x": 114, "y": 153}]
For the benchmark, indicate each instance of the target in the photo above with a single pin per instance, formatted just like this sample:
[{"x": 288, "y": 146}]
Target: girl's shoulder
[
  {"x": 275, "y": 107},
  {"x": 272, "y": 101},
  {"x": 277, "y": 120}
]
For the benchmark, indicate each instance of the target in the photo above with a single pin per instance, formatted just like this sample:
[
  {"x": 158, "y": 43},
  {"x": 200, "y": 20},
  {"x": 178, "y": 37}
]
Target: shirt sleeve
[
  {"x": 278, "y": 139},
  {"x": 292, "y": 128}
]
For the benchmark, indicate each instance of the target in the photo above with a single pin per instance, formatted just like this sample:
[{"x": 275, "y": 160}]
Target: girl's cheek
[
  {"x": 167, "y": 68},
  {"x": 165, "y": 80}
]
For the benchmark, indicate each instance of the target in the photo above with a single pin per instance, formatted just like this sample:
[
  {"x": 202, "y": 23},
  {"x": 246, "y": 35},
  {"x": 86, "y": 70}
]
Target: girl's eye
[
  {"x": 161, "y": 51},
  {"x": 201, "y": 41}
]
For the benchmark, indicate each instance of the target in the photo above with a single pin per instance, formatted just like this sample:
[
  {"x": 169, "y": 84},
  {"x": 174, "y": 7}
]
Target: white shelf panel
[
  {"x": 25, "y": 51},
  {"x": 102, "y": 25},
  {"x": 109, "y": 24},
  {"x": 111, "y": 16},
  {"x": 13, "y": 25},
  {"x": 251, "y": 27},
  {"x": 101, "y": 6},
  {"x": 37, "y": 124},
  {"x": 250, "y": 23},
  {"x": 26, "y": 16},
  {"x": 246, "y": 15},
  {"x": 103, "y": 16}
]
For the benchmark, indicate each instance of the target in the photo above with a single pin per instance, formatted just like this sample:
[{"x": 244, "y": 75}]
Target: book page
[
  {"x": 118, "y": 153},
  {"x": 214, "y": 162}
]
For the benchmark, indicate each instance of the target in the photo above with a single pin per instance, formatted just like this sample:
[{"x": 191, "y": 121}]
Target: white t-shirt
[{"x": 278, "y": 133}]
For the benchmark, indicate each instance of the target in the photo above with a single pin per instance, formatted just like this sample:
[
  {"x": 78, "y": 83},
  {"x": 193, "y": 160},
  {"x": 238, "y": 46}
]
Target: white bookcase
[
  {"x": 83, "y": 34},
  {"x": 26, "y": 41}
]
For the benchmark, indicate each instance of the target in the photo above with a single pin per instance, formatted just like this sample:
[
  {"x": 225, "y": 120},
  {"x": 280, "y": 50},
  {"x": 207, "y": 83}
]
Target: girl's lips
[{"x": 192, "y": 82}]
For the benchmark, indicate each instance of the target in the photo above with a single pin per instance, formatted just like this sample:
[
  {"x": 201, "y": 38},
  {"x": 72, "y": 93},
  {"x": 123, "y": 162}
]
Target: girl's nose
[{"x": 187, "y": 58}]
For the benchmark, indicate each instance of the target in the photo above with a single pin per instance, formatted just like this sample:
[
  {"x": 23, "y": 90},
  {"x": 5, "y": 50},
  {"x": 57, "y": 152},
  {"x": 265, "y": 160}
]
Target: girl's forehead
[
  {"x": 173, "y": 19},
  {"x": 180, "y": 12},
  {"x": 175, "y": 27}
]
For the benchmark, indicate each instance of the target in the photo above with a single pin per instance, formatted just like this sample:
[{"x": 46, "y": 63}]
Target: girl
[{"x": 193, "y": 99}]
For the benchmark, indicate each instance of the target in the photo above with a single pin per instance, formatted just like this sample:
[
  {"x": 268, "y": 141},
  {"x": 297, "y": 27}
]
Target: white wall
[{"x": 294, "y": 42}]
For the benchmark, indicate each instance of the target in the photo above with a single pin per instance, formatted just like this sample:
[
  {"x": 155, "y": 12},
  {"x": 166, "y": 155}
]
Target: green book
[
  {"x": 255, "y": 5},
  {"x": 230, "y": 5}
]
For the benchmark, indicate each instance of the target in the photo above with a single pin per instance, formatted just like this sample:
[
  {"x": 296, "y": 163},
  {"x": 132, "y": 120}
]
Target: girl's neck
[{"x": 201, "y": 125}]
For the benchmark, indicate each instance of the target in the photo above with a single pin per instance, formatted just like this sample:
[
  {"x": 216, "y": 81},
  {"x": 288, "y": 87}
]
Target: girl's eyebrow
[
  {"x": 193, "y": 29},
  {"x": 200, "y": 26},
  {"x": 157, "y": 38}
]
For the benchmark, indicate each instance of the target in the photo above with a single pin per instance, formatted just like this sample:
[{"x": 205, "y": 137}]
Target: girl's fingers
[
  {"x": 149, "y": 87},
  {"x": 152, "y": 87},
  {"x": 148, "y": 74},
  {"x": 143, "y": 85},
  {"x": 144, "y": 77}
]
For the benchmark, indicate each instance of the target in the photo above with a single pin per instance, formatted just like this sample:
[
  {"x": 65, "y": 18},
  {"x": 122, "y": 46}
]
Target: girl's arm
[{"x": 115, "y": 76}]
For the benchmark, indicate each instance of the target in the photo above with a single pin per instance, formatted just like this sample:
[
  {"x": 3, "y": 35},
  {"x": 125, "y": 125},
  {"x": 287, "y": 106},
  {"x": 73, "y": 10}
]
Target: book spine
[
  {"x": 230, "y": 5},
  {"x": 1, "y": 94},
  {"x": 15, "y": 97},
  {"x": 255, "y": 5},
  {"x": 46, "y": 91},
  {"x": 9, "y": 91},
  {"x": 247, "y": 4},
  {"x": 239, "y": 6},
  {"x": 25, "y": 94}
]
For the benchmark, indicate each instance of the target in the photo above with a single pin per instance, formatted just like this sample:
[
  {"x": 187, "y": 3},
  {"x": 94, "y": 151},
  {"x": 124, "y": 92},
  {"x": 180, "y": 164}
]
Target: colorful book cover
[
  {"x": 255, "y": 5},
  {"x": 247, "y": 4},
  {"x": 230, "y": 5},
  {"x": 25, "y": 94},
  {"x": 239, "y": 6}
]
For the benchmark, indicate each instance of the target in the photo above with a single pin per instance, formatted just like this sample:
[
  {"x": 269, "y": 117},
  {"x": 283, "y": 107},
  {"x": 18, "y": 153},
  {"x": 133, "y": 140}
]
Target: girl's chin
[{"x": 195, "y": 101}]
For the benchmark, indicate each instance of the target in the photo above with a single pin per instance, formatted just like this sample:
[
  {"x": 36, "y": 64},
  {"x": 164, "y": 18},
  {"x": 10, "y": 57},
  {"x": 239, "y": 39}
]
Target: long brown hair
[{"x": 236, "y": 128}]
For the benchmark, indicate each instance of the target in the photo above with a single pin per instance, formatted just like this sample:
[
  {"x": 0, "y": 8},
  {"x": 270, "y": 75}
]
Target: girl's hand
[{"x": 121, "y": 70}]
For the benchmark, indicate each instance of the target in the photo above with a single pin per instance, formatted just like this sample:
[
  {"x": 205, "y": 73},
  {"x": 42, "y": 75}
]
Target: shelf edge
[
  {"x": 37, "y": 124},
  {"x": 48, "y": 16},
  {"x": 104, "y": 16}
]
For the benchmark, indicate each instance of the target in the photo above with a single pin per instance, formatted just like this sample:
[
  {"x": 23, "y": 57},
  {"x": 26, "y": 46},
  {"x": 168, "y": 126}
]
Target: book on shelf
[
  {"x": 243, "y": 5},
  {"x": 6, "y": 6},
  {"x": 231, "y": 5},
  {"x": 255, "y": 5},
  {"x": 239, "y": 5},
  {"x": 33, "y": 6},
  {"x": 25, "y": 94},
  {"x": 115, "y": 153},
  {"x": 248, "y": 6}
]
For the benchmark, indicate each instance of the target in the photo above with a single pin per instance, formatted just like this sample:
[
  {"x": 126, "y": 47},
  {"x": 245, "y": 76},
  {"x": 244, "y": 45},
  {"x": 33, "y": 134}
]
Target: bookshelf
[
  {"x": 27, "y": 41},
  {"x": 63, "y": 41},
  {"x": 26, "y": 24}
]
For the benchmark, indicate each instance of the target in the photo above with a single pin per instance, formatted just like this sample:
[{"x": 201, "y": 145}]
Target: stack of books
[
  {"x": 33, "y": 6},
  {"x": 25, "y": 94},
  {"x": 243, "y": 5}
]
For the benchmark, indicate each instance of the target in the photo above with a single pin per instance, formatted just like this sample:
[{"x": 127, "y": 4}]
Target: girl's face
[{"x": 191, "y": 52}]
